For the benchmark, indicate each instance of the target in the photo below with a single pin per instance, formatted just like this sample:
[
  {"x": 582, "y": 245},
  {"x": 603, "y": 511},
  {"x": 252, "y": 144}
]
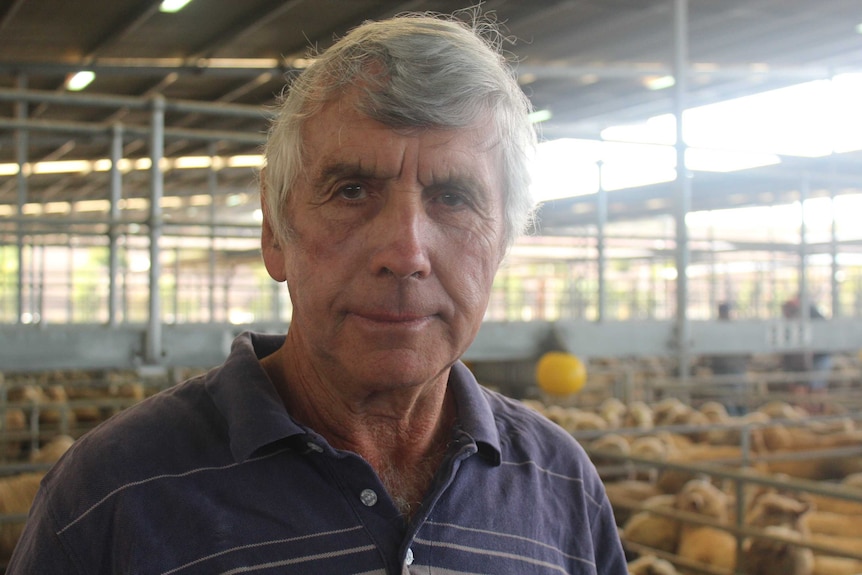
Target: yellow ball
[{"x": 560, "y": 373}]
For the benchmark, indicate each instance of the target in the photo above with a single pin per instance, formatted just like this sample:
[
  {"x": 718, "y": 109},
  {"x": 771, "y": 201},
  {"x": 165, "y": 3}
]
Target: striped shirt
[{"x": 213, "y": 476}]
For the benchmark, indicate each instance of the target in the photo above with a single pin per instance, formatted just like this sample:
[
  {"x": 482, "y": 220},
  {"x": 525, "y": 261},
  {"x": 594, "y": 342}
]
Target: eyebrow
[
  {"x": 334, "y": 171},
  {"x": 341, "y": 169}
]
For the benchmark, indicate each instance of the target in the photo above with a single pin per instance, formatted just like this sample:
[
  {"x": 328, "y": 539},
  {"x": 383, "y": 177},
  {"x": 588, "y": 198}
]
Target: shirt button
[
  {"x": 314, "y": 447},
  {"x": 368, "y": 497},
  {"x": 408, "y": 560}
]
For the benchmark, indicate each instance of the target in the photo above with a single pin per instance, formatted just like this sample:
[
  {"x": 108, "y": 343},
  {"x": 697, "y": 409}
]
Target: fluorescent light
[
  {"x": 140, "y": 204},
  {"x": 659, "y": 82},
  {"x": 62, "y": 167},
  {"x": 540, "y": 116},
  {"x": 200, "y": 200},
  {"x": 249, "y": 161},
  {"x": 142, "y": 164},
  {"x": 127, "y": 164},
  {"x": 101, "y": 165},
  {"x": 263, "y": 63},
  {"x": 57, "y": 208},
  {"x": 92, "y": 206},
  {"x": 192, "y": 162},
  {"x": 172, "y": 6},
  {"x": 859, "y": 28},
  {"x": 80, "y": 80},
  {"x": 302, "y": 63},
  {"x": 8, "y": 169}
]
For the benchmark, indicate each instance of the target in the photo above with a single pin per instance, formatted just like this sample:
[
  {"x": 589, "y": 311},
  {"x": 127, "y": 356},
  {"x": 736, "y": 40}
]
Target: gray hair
[{"x": 416, "y": 70}]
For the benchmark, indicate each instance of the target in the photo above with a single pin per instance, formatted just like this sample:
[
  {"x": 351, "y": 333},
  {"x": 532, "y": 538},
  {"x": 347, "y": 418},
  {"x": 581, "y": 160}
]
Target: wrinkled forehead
[{"x": 348, "y": 119}]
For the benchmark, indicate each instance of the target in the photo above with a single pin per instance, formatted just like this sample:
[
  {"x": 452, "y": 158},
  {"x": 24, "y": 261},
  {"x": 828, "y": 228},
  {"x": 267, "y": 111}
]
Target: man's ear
[{"x": 270, "y": 244}]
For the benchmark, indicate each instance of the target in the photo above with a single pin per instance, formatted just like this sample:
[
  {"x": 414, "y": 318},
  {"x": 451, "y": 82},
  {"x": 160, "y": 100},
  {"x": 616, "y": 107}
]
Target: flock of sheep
[
  {"x": 676, "y": 517},
  {"x": 40, "y": 417},
  {"x": 18, "y": 491}
]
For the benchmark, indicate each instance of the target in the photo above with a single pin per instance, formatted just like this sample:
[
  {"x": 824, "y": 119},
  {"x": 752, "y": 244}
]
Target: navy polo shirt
[{"x": 213, "y": 476}]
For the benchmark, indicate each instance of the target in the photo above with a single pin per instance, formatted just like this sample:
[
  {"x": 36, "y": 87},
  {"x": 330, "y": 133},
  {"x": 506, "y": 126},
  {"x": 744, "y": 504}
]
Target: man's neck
[{"x": 402, "y": 433}]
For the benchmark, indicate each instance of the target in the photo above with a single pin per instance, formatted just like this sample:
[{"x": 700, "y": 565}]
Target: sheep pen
[{"x": 788, "y": 484}]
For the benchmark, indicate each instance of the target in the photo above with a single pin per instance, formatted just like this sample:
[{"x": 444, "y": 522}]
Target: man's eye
[
  {"x": 352, "y": 192},
  {"x": 452, "y": 199}
]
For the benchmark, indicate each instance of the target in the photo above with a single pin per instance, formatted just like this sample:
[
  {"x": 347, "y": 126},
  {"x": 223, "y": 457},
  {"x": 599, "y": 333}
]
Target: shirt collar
[
  {"x": 245, "y": 396},
  {"x": 475, "y": 417},
  {"x": 256, "y": 417}
]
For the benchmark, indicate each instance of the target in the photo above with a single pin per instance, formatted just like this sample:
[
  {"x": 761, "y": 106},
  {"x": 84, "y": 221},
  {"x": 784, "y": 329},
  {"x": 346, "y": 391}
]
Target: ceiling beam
[
  {"x": 8, "y": 13},
  {"x": 251, "y": 22},
  {"x": 120, "y": 29}
]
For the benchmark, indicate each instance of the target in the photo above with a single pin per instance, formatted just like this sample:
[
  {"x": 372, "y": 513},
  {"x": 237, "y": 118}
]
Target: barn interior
[{"x": 130, "y": 229}]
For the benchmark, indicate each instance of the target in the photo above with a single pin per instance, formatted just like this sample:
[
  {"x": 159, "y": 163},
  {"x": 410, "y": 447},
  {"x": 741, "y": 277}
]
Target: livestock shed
[{"x": 696, "y": 252}]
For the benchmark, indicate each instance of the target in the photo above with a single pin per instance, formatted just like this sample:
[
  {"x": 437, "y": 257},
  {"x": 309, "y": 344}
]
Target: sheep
[
  {"x": 702, "y": 543},
  {"x": 672, "y": 481},
  {"x": 580, "y": 420},
  {"x": 13, "y": 420},
  {"x": 16, "y": 496},
  {"x": 625, "y": 494},
  {"x": 649, "y": 447},
  {"x": 53, "y": 450},
  {"x": 555, "y": 413},
  {"x": 651, "y": 565},
  {"x": 762, "y": 556},
  {"x": 652, "y": 530},
  {"x": 611, "y": 443},
  {"x": 613, "y": 411},
  {"x": 828, "y": 565},
  {"x": 670, "y": 411},
  {"x": 535, "y": 405},
  {"x": 813, "y": 468},
  {"x": 831, "y": 523},
  {"x": 38, "y": 398},
  {"x": 783, "y": 410},
  {"x": 754, "y": 417},
  {"x": 836, "y": 542},
  {"x": 771, "y": 509},
  {"x": 708, "y": 545},
  {"x": 572, "y": 419},
  {"x": 780, "y": 437},
  {"x": 840, "y": 425},
  {"x": 836, "y": 505},
  {"x": 18, "y": 491},
  {"x": 639, "y": 415},
  {"x": 853, "y": 480},
  {"x": 827, "y": 529},
  {"x": 674, "y": 441},
  {"x": 702, "y": 497},
  {"x": 715, "y": 412}
]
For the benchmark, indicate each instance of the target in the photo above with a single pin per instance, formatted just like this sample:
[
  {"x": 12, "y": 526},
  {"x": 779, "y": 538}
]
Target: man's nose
[{"x": 400, "y": 234}]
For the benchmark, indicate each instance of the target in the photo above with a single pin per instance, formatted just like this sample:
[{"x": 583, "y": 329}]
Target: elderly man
[{"x": 396, "y": 180}]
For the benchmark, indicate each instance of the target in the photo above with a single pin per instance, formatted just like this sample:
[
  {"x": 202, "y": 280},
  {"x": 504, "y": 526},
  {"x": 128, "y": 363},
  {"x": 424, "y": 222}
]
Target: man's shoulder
[
  {"x": 148, "y": 438},
  {"x": 166, "y": 435},
  {"x": 184, "y": 407},
  {"x": 518, "y": 421}
]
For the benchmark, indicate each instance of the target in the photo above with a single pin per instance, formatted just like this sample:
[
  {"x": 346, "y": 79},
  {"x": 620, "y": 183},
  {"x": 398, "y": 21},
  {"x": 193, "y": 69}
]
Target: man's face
[{"x": 396, "y": 239}]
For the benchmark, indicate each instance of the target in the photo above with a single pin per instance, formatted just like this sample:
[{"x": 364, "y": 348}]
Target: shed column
[{"x": 153, "y": 347}]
